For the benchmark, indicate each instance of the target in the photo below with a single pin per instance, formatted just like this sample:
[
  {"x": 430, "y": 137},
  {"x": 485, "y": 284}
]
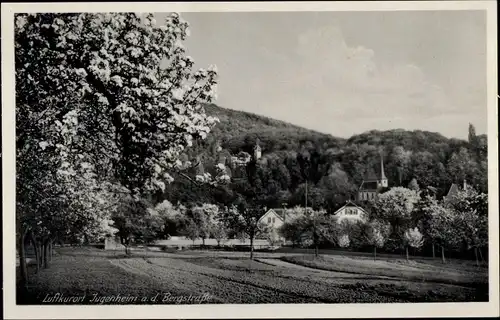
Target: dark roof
[
  {"x": 369, "y": 185},
  {"x": 371, "y": 176}
]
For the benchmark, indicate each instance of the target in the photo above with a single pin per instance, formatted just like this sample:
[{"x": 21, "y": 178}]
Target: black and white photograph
[{"x": 301, "y": 157}]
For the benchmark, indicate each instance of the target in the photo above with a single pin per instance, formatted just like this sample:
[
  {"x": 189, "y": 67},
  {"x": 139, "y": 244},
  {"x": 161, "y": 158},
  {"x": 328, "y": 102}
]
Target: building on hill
[
  {"x": 244, "y": 157},
  {"x": 257, "y": 151},
  {"x": 452, "y": 192},
  {"x": 351, "y": 212},
  {"x": 372, "y": 185}
]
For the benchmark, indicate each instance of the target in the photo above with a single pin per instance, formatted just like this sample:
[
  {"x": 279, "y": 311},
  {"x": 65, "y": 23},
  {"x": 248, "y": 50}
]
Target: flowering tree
[
  {"x": 172, "y": 218},
  {"x": 413, "y": 238},
  {"x": 442, "y": 228},
  {"x": 205, "y": 217},
  {"x": 470, "y": 210},
  {"x": 105, "y": 101},
  {"x": 396, "y": 207},
  {"x": 343, "y": 241},
  {"x": 219, "y": 231},
  {"x": 376, "y": 235}
]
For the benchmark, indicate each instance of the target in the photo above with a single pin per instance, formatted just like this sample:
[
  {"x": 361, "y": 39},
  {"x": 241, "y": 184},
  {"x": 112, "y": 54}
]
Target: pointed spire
[{"x": 382, "y": 172}]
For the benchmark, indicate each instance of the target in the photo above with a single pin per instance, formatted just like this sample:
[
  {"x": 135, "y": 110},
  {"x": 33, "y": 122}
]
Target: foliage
[
  {"x": 314, "y": 227},
  {"x": 414, "y": 238},
  {"x": 413, "y": 185},
  {"x": 135, "y": 221},
  {"x": 377, "y": 233},
  {"x": 343, "y": 241},
  {"x": 105, "y": 103},
  {"x": 204, "y": 217},
  {"x": 470, "y": 210},
  {"x": 396, "y": 207}
]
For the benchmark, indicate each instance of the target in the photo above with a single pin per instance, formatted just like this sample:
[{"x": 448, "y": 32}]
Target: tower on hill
[
  {"x": 257, "y": 152},
  {"x": 373, "y": 184}
]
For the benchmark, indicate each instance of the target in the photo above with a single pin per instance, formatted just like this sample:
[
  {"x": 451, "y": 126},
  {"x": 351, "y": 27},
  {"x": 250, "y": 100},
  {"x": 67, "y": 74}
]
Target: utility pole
[
  {"x": 284, "y": 204},
  {"x": 306, "y": 196}
]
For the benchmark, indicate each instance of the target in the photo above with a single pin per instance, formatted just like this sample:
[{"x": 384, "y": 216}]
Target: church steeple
[
  {"x": 383, "y": 182},
  {"x": 382, "y": 172}
]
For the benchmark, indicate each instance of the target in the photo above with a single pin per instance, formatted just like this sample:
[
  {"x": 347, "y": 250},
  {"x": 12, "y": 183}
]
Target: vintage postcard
[{"x": 250, "y": 160}]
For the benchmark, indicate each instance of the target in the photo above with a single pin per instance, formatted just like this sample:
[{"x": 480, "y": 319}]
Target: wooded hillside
[{"x": 334, "y": 167}]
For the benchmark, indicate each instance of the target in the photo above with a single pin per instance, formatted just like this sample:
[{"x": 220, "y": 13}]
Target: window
[
  {"x": 269, "y": 220},
  {"x": 274, "y": 219}
]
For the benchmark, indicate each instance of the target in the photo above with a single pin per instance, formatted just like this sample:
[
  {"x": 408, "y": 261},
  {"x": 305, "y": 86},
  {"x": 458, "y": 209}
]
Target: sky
[{"x": 345, "y": 73}]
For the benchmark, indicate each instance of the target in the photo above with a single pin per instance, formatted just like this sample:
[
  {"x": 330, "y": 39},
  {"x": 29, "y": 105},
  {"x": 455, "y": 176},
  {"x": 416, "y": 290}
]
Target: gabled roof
[
  {"x": 349, "y": 203},
  {"x": 371, "y": 176},
  {"x": 453, "y": 190},
  {"x": 278, "y": 212}
]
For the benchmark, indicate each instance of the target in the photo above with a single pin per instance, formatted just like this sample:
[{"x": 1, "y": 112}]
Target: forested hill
[
  {"x": 337, "y": 166},
  {"x": 238, "y": 130}
]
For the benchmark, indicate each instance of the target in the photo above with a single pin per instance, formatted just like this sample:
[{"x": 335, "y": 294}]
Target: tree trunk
[
  {"x": 251, "y": 248},
  {"x": 442, "y": 255},
  {"x": 38, "y": 256},
  {"x": 316, "y": 252},
  {"x": 36, "y": 251},
  {"x": 51, "y": 249},
  {"x": 481, "y": 255},
  {"x": 46, "y": 254},
  {"x": 433, "y": 252},
  {"x": 407, "y": 254},
  {"x": 203, "y": 241},
  {"x": 22, "y": 259},
  {"x": 42, "y": 253},
  {"x": 374, "y": 252},
  {"x": 475, "y": 254}
]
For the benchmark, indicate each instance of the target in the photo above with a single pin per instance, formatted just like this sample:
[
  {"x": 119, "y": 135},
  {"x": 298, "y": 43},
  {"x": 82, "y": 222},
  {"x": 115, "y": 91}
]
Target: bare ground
[{"x": 233, "y": 278}]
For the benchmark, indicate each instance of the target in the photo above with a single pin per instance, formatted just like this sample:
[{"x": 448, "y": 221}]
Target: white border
[{"x": 241, "y": 311}]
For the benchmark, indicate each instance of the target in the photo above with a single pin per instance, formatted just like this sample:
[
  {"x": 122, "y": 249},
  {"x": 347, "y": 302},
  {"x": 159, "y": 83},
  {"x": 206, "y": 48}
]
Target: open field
[{"x": 230, "y": 277}]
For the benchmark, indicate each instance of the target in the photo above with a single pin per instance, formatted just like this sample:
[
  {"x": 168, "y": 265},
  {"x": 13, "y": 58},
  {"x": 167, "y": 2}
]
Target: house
[
  {"x": 452, "y": 192},
  {"x": 352, "y": 212},
  {"x": 274, "y": 218},
  {"x": 372, "y": 185},
  {"x": 243, "y": 158},
  {"x": 113, "y": 243}
]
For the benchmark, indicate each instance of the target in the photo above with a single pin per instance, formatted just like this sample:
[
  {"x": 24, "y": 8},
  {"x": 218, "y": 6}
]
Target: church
[{"x": 373, "y": 184}]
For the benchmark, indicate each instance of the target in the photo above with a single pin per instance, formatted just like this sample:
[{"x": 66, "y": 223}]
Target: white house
[
  {"x": 274, "y": 218},
  {"x": 352, "y": 212}
]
